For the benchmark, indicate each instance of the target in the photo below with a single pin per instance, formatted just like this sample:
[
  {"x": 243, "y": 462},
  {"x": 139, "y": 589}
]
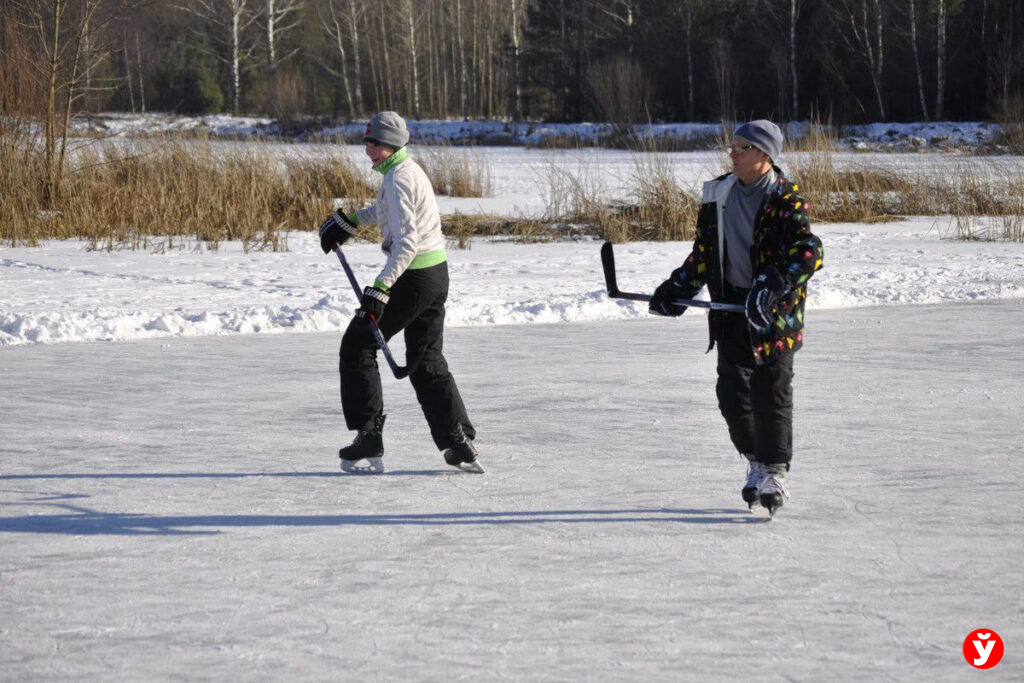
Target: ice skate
[
  {"x": 754, "y": 476},
  {"x": 365, "y": 454},
  {"x": 462, "y": 453},
  {"x": 772, "y": 491}
]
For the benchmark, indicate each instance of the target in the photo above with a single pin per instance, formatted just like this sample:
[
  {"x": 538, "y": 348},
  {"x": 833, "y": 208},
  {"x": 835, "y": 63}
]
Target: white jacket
[{"x": 410, "y": 223}]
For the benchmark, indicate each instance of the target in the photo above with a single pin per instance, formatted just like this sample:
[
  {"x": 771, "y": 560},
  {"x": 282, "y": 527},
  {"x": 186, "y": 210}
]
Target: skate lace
[{"x": 773, "y": 483}]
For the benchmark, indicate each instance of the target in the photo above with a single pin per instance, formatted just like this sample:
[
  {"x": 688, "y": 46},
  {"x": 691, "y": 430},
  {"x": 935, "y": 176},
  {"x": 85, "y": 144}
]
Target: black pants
[
  {"x": 755, "y": 400},
  {"x": 416, "y": 306}
]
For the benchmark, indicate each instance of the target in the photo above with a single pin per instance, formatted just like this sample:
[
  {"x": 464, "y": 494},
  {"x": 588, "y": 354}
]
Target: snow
[
  {"x": 171, "y": 506},
  {"x": 64, "y": 293},
  {"x": 884, "y": 135}
]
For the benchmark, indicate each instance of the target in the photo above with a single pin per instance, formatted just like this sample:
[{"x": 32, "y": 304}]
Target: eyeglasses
[{"x": 738, "y": 149}]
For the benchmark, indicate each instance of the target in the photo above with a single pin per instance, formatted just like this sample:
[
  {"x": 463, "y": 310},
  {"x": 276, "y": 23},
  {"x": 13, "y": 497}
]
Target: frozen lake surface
[{"x": 171, "y": 509}]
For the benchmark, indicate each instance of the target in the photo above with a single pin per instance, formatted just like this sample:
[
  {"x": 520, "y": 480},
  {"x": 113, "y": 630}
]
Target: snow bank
[
  {"x": 878, "y": 136},
  {"x": 61, "y": 292}
]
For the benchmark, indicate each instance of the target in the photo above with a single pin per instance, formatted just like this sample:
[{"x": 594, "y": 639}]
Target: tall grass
[
  {"x": 118, "y": 198},
  {"x": 178, "y": 191},
  {"x": 455, "y": 172},
  {"x": 858, "y": 191}
]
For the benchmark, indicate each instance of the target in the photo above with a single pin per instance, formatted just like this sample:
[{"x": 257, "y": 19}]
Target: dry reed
[
  {"x": 455, "y": 172},
  {"x": 117, "y": 198},
  {"x": 193, "y": 191}
]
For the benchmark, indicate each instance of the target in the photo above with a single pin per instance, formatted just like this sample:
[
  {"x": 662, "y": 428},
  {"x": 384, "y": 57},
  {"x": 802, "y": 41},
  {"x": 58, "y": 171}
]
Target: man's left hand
[
  {"x": 373, "y": 302},
  {"x": 764, "y": 296}
]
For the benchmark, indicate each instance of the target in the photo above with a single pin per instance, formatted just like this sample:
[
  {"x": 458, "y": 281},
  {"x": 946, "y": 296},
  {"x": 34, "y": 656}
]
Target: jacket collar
[{"x": 394, "y": 160}]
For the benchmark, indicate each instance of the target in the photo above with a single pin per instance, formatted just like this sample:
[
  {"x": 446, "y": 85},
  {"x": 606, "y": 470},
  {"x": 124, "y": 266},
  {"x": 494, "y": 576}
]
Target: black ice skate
[
  {"x": 368, "y": 448},
  {"x": 772, "y": 492},
  {"x": 462, "y": 453}
]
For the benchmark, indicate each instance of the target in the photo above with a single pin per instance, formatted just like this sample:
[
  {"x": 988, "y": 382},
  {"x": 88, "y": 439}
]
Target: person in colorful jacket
[
  {"x": 409, "y": 294},
  {"x": 754, "y": 247}
]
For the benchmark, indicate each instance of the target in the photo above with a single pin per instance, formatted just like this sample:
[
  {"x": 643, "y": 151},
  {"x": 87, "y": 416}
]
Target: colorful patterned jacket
[{"x": 782, "y": 237}]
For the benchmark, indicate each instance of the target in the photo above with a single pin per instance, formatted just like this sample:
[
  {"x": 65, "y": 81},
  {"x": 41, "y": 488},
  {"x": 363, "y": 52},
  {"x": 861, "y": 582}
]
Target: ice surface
[{"x": 171, "y": 509}]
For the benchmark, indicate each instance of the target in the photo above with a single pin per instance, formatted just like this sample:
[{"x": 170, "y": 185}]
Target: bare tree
[
  {"x": 621, "y": 89},
  {"x": 794, "y": 13},
  {"x": 70, "y": 42},
  {"x": 230, "y": 20},
  {"x": 721, "y": 66},
  {"x": 460, "y": 44},
  {"x": 333, "y": 22},
  {"x": 517, "y": 81},
  {"x": 912, "y": 11},
  {"x": 280, "y": 16},
  {"x": 860, "y": 24},
  {"x": 785, "y": 15},
  {"x": 624, "y": 14},
  {"x": 411, "y": 22},
  {"x": 940, "y": 58},
  {"x": 383, "y": 11},
  {"x": 689, "y": 58},
  {"x": 355, "y": 13}
]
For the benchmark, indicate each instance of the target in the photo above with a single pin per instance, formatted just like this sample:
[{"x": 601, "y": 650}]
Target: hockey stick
[
  {"x": 398, "y": 370},
  {"x": 608, "y": 262}
]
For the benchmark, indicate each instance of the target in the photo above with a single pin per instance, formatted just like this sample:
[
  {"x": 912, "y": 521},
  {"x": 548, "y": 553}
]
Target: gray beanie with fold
[
  {"x": 764, "y": 134},
  {"x": 387, "y": 128}
]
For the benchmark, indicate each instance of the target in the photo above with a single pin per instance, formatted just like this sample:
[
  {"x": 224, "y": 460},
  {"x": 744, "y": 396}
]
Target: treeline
[{"x": 850, "y": 61}]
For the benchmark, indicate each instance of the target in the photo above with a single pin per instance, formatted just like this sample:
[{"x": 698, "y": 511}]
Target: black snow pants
[
  {"x": 417, "y": 307},
  {"x": 756, "y": 400}
]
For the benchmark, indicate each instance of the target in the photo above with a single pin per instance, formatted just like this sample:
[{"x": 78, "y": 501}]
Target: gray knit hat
[
  {"x": 764, "y": 134},
  {"x": 387, "y": 128}
]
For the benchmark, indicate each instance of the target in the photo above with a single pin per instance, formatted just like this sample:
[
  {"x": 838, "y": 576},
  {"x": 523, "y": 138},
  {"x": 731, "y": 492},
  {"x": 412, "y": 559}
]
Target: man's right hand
[
  {"x": 336, "y": 230},
  {"x": 665, "y": 296}
]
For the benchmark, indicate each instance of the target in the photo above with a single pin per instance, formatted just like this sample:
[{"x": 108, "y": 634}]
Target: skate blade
[
  {"x": 372, "y": 466},
  {"x": 473, "y": 467}
]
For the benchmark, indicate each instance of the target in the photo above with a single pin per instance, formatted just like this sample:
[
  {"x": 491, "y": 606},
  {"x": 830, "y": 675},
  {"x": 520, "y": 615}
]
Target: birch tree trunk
[
  {"x": 336, "y": 34},
  {"x": 128, "y": 80},
  {"x": 277, "y": 17},
  {"x": 794, "y": 81},
  {"x": 689, "y": 60},
  {"x": 236, "y": 55},
  {"x": 917, "y": 61},
  {"x": 386, "y": 55},
  {"x": 271, "y": 38},
  {"x": 870, "y": 47},
  {"x": 517, "y": 83},
  {"x": 142, "y": 80},
  {"x": 879, "y": 59},
  {"x": 414, "y": 72},
  {"x": 53, "y": 49},
  {"x": 940, "y": 60},
  {"x": 463, "y": 76},
  {"x": 229, "y": 20},
  {"x": 564, "y": 56},
  {"x": 354, "y": 31}
]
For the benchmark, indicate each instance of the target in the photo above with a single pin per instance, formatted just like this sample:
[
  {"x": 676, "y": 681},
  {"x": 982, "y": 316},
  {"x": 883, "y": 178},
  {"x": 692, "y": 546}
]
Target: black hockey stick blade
[{"x": 608, "y": 263}]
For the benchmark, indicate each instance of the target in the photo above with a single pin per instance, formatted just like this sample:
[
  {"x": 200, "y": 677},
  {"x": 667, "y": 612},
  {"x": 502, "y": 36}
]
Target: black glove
[
  {"x": 373, "y": 302},
  {"x": 769, "y": 287},
  {"x": 336, "y": 230},
  {"x": 666, "y": 295}
]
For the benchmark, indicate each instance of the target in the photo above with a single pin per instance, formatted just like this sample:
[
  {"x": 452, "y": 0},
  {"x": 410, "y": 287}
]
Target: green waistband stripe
[{"x": 431, "y": 258}]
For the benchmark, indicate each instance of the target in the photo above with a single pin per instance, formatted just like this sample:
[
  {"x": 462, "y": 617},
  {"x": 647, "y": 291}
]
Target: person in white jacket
[{"x": 408, "y": 294}]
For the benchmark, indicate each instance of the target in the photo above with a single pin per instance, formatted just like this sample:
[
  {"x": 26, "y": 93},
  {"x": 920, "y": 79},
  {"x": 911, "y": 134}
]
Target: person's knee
[{"x": 357, "y": 346}]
